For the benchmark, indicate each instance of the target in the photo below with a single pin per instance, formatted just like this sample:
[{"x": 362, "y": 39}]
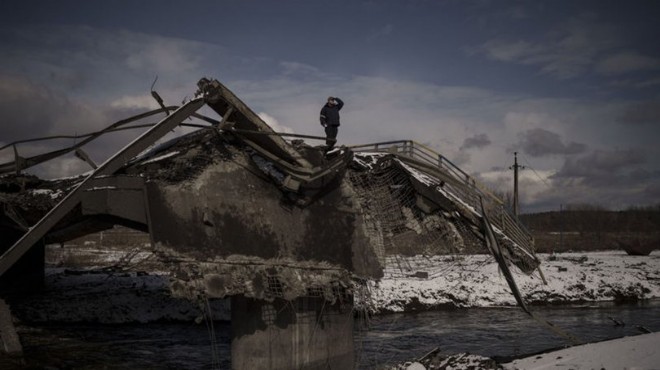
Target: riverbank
[
  {"x": 80, "y": 299},
  {"x": 413, "y": 284},
  {"x": 105, "y": 295}
]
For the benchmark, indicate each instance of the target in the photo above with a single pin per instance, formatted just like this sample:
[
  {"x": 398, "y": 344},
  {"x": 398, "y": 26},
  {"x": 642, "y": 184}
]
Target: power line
[{"x": 536, "y": 173}]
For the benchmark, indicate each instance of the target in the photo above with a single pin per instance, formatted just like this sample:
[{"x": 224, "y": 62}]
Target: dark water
[
  {"x": 498, "y": 332},
  {"x": 390, "y": 339}
]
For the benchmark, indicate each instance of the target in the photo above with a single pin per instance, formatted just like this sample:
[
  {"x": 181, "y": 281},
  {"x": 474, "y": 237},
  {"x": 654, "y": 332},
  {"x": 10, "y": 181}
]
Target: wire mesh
[{"x": 404, "y": 237}]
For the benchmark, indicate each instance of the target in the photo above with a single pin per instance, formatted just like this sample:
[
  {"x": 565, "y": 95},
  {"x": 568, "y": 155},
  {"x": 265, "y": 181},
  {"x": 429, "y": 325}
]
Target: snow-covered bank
[
  {"x": 636, "y": 352},
  {"x": 475, "y": 281},
  {"x": 409, "y": 284}
]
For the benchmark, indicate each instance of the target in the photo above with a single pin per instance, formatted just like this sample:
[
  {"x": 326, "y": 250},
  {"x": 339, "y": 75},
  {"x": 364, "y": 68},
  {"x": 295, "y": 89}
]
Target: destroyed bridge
[{"x": 287, "y": 230}]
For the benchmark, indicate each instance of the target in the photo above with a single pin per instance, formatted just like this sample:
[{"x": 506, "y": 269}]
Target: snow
[
  {"x": 422, "y": 177},
  {"x": 452, "y": 280},
  {"x": 101, "y": 188},
  {"x": 54, "y": 194},
  {"x": 268, "y": 168},
  {"x": 638, "y": 352},
  {"x": 367, "y": 159},
  {"x": 81, "y": 176},
  {"x": 475, "y": 281},
  {"x": 161, "y": 157}
]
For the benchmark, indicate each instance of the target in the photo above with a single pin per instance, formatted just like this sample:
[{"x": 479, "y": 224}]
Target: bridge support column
[{"x": 306, "y": 333}]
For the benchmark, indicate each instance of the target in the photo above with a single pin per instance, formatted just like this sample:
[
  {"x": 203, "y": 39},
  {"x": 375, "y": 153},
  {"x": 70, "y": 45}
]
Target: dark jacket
[{"x": 330, "y": 113}]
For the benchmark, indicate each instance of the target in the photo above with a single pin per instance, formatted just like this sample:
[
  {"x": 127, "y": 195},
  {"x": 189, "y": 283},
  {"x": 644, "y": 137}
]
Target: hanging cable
[{"x": 536, "y": 173}]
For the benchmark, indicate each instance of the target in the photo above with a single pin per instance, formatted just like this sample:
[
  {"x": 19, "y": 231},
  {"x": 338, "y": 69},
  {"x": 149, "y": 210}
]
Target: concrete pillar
[{"x": 306, "y": 333}]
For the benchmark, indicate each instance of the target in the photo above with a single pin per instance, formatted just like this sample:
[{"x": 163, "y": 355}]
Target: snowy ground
[
  {"x": 118, "y": 289},
  {"x": 637, "y": 352},
  {"x": 475, "y": 281}
]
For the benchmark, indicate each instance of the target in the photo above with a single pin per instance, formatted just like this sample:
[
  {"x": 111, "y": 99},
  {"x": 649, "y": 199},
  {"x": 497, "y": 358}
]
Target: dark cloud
[
  {"x": 647, "y": 112},
  {"x": 568, "y": 50},
  {"x": 539, "y": 142},
  {"x": 477, "y": 141},
  {"x": 625, "y": 62},
  {"x": 603, "y": 167},
  {"x": 29, "y": 110},
  {"x": 26, "y": 109},
  {"x": 652, "y": 193}
]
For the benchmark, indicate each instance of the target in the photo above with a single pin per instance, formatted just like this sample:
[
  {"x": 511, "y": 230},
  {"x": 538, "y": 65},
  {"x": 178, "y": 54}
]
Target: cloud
[
  {"x": 533, "y": 185},
  {"x": 29, "y": 110},
  {"x": 648, "y": 83},
  {"x": 539, "y": 142},
  {"x": 159, "y": 55},
  {"x": 509, "y": 51},
  {"x": 568, "y": 51},
  {"x": 478, "y": 141},
  {"x": 274, "y": 123},
  {"x": 601, "y": 165},
  {"x": 109, "y": 78},
  {"x": 291, "y": 68},
  {"x": 17, "y": 114},
  {"x": 636, "y": 83},
  {"x": 382, "y": 32},
  {"x": 626, "y": 62},
  {"x": 146, "y": 102},
  {"x": 615, "y": 185},
  {"x": 94, "y": 62},
  {"x": 647, "y": 112}
]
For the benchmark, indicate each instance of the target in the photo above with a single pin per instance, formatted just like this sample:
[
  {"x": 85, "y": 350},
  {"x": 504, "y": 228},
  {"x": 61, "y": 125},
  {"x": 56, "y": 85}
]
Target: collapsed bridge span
[{"x": 282, "y": 227}]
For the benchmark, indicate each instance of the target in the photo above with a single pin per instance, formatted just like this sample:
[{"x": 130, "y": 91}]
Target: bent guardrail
[{"x": 469, "y": 190}]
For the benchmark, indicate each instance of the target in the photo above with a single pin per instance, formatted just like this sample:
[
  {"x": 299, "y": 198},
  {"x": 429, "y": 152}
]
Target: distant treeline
[{"x": 633, "y": 220}]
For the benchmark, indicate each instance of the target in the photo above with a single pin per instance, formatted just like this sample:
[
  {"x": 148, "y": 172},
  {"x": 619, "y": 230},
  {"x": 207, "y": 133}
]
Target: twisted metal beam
[{"x": 20, "y": 163}]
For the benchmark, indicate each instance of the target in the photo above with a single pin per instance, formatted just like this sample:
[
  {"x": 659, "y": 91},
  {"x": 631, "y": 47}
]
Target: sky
[{"x": 572, "y": 86}]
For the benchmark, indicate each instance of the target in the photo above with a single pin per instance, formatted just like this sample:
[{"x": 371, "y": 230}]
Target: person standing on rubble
[{"x": 330, "y": 119}]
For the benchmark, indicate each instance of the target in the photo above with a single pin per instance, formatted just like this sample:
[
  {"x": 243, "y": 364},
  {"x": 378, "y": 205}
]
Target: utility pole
[
  {"x": 515, "y": 169},
  {"x": 561, "y": 228}
]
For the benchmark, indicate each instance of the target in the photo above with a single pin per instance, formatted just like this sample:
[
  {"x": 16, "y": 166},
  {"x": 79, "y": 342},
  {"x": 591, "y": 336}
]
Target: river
[{"x": 389, "y": 339}]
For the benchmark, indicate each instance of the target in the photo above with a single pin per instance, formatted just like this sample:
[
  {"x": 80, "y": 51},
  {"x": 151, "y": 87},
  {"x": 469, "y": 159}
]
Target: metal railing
[{"x": 461, "y": 184}]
